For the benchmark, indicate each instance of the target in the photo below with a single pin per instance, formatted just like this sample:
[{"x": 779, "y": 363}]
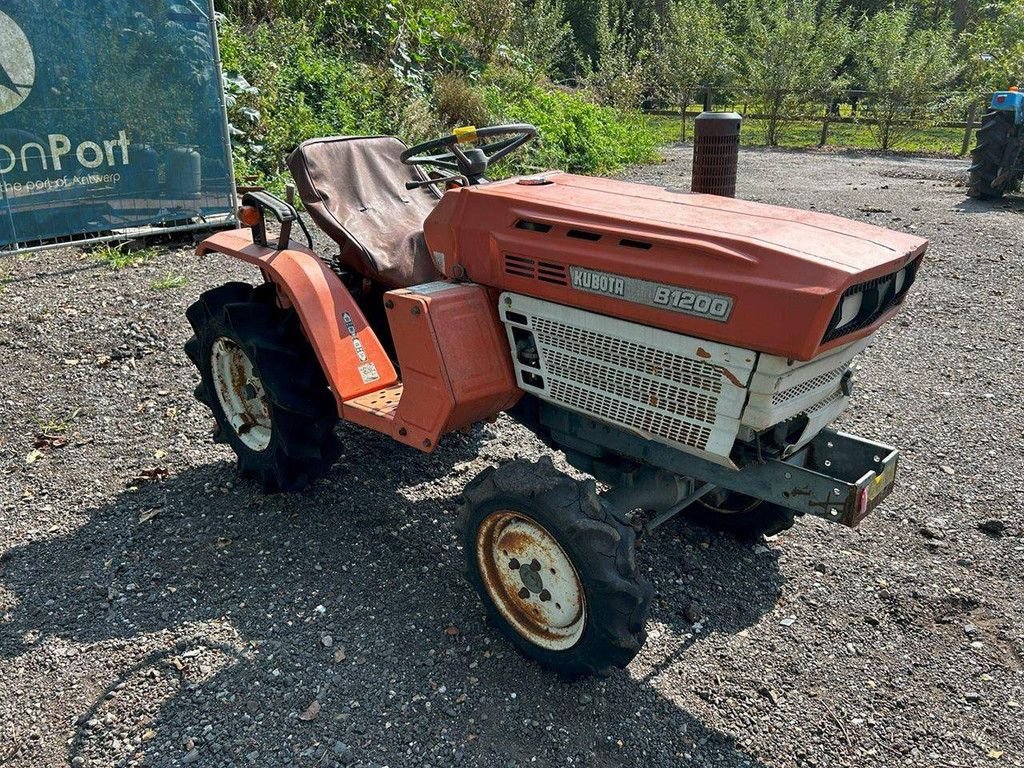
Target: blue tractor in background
[{"x": 996, "y": 160}]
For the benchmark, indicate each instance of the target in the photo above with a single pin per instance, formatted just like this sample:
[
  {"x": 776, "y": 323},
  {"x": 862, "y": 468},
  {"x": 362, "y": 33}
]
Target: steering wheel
[{"x": 472, "y": 162}]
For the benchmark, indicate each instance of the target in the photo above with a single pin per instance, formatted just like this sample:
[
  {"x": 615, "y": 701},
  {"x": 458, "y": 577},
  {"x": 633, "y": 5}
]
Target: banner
[{"x": 111, "y": 119}]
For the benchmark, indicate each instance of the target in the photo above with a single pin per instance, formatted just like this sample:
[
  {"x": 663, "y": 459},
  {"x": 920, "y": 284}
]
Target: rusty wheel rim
[
  {"x": 531, "y": 580},
  {"x": 241, "y": 394}
]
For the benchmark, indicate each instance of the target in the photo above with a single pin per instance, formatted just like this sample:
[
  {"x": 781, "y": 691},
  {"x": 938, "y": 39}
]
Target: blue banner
[{"x": 111, "y": 118}]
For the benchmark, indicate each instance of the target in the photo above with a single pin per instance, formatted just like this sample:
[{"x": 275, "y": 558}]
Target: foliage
[
  {"x": 168, "y": 282},
  {"x": 792, "y": 53},
  {"x": 995, "y": 48},
  {"x": 619, "y": 75},
  {"x": 901, "y": 67},
  {"x": 693, "y": 50},
  {"x": 122, "y": 255},
  {"x": 576, "y": 134}
]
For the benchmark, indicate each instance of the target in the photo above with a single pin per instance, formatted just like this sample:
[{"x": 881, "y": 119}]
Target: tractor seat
[{"x": 354, "y": 189}]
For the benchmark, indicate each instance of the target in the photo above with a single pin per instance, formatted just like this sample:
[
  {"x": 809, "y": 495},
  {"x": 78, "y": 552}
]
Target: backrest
[{"x": 354, "y": 189}]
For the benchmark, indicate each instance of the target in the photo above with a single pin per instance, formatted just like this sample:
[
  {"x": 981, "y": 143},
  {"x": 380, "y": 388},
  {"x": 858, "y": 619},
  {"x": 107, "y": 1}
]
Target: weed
[
  {"x": 57, "y": 425},
  {"x": 168, "y": 282},
  {"x": 120, "y": 256}
]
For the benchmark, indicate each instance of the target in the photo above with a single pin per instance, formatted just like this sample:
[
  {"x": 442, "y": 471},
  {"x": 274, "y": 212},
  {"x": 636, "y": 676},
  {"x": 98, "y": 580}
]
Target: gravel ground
[{"x": 155, "y": 610}]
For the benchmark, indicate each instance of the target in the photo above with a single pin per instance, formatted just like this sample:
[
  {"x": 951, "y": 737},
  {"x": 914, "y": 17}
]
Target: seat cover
[{"x": 354, "y": 189}]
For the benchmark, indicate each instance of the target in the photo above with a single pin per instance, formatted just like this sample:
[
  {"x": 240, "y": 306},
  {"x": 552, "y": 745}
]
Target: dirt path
[{"x": 154, "y": 610}]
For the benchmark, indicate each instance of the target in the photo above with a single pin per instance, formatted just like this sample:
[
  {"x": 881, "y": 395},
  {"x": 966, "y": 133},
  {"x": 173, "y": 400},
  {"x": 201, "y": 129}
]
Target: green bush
[
  {"x": 576, "y": 134},
  {"x": 286, "y": 86}
]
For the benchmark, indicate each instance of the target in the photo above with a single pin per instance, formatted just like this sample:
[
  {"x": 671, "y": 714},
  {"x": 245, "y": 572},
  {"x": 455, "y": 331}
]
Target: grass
[
  {"x": 56, "y": 425},
  {"x": 5, "y": 278},
  {"x": 121, "y": 255},
  {"x": 168, "y": 282},
  {"x": 805, "y": 134}
]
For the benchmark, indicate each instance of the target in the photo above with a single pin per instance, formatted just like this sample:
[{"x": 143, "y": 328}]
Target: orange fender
[{"x": 349, "y": 352}]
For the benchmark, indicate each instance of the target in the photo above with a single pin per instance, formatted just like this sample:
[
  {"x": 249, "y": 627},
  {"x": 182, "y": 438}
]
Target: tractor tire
[
  {"x": 743, "y": 517},
  {"x": 555, "y": 571},
  {"x": 262, "y": 382},
  {"x": 988, "y": 155}
]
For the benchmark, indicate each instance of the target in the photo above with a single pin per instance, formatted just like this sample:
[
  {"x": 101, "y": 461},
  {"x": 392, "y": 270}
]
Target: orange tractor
[{"x": 689, "y": 351}]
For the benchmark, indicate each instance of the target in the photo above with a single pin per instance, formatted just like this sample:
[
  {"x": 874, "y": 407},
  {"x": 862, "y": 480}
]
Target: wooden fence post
[{"x": 972, "y": 115}]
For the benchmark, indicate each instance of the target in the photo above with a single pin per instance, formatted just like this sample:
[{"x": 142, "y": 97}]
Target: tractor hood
[{"x": 778, "y": 280}]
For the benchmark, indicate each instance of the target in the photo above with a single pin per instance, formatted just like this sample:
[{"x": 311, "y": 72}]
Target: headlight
[{"x": 849, "y": 309}]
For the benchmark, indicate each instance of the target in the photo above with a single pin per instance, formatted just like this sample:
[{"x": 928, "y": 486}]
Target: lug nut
[
  {"x": 534, "y": 566},
  {"x": 544, "y": 595},
  {"x": 524, "y": 593},
  {"x": 513, "y": 564}
]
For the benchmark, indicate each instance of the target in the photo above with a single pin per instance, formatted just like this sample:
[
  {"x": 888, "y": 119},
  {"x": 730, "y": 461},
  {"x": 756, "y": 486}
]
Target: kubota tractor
[
  {"x": 996, "y": 163},
  {"x": 688, "y": 351}
]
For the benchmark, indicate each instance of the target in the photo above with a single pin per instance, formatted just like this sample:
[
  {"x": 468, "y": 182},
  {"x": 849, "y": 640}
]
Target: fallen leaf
[
  {"x": 148, "y": 735},
  {"x": 148, "y": 515},
  {"x": 149, "y": 474},
  {"x": 339, "y": 653},
  {"x": 45, "y": 442},
  {"x": 34, "y": 455},
  {"x": 995, "y": 754},
  {"x": 452, "y": 631},
  {"x": 178, "y": 664},
  {"x": 103, "y": 361},
  {"x": 461, "y": 699},
  {"x": 160, "y": 454},
  {"x": 311, "y": 712}
]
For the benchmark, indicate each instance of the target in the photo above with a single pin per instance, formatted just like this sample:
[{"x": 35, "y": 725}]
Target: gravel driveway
[{"x": 155, "y": 610}]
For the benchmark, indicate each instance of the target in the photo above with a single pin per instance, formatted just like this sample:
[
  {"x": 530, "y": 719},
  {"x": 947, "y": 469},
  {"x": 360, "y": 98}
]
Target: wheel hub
[
  {"x": 531, "y": 580},
  {"x": 240, "y": 393}
]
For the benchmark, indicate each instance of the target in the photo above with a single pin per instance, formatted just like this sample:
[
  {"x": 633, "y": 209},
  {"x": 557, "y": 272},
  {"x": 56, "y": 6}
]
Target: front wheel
[{"x": 555, "y": 571}]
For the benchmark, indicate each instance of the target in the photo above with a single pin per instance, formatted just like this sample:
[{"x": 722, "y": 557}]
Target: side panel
[
  {"x": 352, "y": 357},
  {"x": 455, "y": 364}
]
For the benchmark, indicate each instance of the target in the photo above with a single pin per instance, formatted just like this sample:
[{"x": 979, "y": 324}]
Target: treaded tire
[
  {"x": 764, "y": 519},
  {"x": 303, "y": 414},
  {"x": 601, "y": 550},
  {"x": 988, "y": 154}
]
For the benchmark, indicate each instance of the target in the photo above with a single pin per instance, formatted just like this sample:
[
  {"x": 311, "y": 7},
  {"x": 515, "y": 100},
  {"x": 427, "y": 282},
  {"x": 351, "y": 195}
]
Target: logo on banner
[{"x": 17, "y": 65}]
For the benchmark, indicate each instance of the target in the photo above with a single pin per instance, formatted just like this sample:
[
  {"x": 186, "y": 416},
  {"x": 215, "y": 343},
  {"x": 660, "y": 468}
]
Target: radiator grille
[
  {"x": 622, "y": 412},
  {"x": 633, "y": 356},
  {"x": 652, "y": 390},
  {"x": 821, "y": 381}
]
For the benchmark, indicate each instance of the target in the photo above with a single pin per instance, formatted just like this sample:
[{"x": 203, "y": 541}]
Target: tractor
[
  {"x": 996, "y": 159},
  {"x": 686, "y": 351}
]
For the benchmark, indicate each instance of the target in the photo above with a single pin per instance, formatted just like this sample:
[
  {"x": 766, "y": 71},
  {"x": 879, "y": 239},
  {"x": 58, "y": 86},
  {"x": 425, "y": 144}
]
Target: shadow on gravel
[
  {"x": 973, "y": 205},
  {"x": 230, "y": 613}
]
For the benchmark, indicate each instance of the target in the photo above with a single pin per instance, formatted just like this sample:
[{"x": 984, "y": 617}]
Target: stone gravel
[{"x": 156, "y": 610}]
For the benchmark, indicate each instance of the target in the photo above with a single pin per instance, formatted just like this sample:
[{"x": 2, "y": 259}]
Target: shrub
[{"x": 576, "y": 134}]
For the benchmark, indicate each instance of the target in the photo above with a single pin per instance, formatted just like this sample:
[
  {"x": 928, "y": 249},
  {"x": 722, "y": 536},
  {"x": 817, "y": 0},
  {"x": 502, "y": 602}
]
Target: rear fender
[
  {"x": 352, "y": 358},
  {"x": 1009, "y": 101}
]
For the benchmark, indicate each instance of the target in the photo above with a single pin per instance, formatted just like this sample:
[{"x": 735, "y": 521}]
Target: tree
[
  {"x": 693, "y": 51},
  {"x": 995, "y": 49},
  {"x": 544, "y": 36},
  {"x": 618, "y": 78},
  {"x": 903, "y": 69},
  {"x": 790, "y": 55}
]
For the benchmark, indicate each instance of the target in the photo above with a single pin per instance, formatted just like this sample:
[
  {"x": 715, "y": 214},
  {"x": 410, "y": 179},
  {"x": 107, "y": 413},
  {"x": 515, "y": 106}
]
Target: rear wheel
[
  {"x": 264, "y": 386},
  {"x": 988, "y": 177},
  {"x": 555, "y": 571}
]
